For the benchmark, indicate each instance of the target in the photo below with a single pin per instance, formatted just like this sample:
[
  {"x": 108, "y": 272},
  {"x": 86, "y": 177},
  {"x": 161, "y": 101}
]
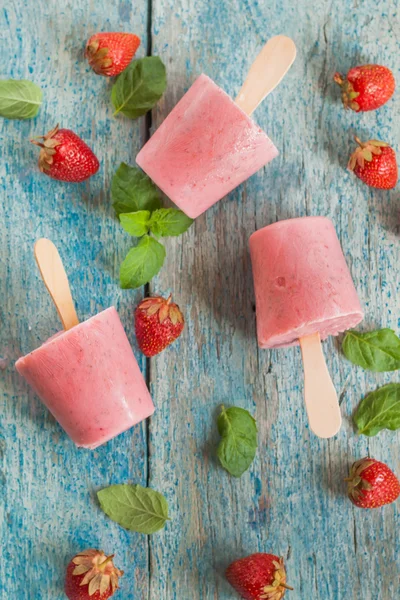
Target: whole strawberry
[
  {"x": 158, "y": 322},
  {"x": 110, "y": 53},
  {"x": 64, "y": 156},
  {"x": 258, "y": 577},
  {"x": 367, "y": 87},
  {"x": 91, "y": 575},
  {"x": 375, "y": 163},
  {"x": 372, "y": 484}
]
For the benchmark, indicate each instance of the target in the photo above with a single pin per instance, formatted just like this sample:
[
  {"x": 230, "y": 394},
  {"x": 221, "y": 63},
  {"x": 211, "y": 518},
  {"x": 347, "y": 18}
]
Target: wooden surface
[{"x": 292, "y": 499}]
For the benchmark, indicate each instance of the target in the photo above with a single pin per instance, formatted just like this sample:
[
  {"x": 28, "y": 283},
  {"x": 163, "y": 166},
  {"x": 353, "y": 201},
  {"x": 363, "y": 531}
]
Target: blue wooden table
[{"x": 292, "y": 500}]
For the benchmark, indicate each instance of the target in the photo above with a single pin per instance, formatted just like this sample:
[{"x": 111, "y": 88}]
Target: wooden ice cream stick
[
  {"x": 266, "y": 72},
  {"x": 56, "y": 281}
]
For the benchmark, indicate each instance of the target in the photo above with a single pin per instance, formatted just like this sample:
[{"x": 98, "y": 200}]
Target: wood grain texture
[
  {"x": 48, "y": 510},
  {"x": 292, "y": 500}
]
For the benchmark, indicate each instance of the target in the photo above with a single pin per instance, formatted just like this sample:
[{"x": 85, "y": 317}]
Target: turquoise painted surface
[{"x": 292, "y": 500}]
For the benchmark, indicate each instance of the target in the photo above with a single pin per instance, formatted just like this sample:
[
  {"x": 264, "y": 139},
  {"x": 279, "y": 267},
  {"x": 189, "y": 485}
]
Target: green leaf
[
  {"x": 377, "y": 351},
  {"x": 19, "y": 99},
  {"x": 132, "y": 190},
  {"x": 169, "y": 221},
  {"x": 142, "y": 263},
  {"x": 134, "y": 507},
  {"x": 237, "y": 448},
  {"x": 136, "y": 223},
  {"x": 379, "y": 410},
  {"x": 139, "y": 87}
]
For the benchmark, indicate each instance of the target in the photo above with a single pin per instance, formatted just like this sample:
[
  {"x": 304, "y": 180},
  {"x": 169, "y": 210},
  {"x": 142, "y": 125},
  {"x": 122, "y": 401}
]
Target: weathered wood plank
[
  {"x": 47, "y": 489},
  {"x": 292, "y": 500}
]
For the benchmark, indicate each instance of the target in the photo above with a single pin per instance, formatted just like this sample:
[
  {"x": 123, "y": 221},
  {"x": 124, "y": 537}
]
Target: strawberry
[
  {"x": 91, "y": 575},
  {"x": 372, "y": 484},
  {"x": 375, "y": 163},
  {"x": 64, "y": 156},
  {"x": 158, "y": 322},
  {"x": 367, "y": 87},
  {"x": 110, "y": 53},
  {"x": 258, "y": 577}
]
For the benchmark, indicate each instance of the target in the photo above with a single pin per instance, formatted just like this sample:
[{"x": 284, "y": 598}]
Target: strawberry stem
[
  {"x": 286, "y": 586},
  {"x": 337, "y": 78},
  {"x": 104, "y": 563},
  {"x": 169, "y": 299},
  {"x": 40, "y": 144},
  {"x": 359, "y": 142}
]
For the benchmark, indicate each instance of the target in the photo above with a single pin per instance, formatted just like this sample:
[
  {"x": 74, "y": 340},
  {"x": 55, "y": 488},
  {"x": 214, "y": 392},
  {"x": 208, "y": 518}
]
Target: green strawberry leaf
[
  {"x": 136, "y": 223},
  {"x": 169, "y": 222},
  {"x": 132, "y": 190},
  {"x": 237, "y": 448},
  {"x": 139, "y": 88},
  {"x": 142, "y": 263},
  {"x": 19, "y": 99},
  {"x": 379, "y": 410},
  {"x": 377, "y": 351},
  {"x": 135, "y": 508}
]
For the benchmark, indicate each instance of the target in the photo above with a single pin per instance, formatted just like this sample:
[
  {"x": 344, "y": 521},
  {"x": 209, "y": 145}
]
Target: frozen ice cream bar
[
  {"x": 89, "y": 379},
  {"x": 205, "y": 148},
  {"x": 302, "y": 283}
]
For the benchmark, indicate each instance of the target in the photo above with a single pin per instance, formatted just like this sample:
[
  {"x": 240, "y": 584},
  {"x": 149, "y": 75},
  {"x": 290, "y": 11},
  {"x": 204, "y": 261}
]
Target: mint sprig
[
  {"x": 139, "y": 88},
  {"x": 19, "y": 99},
  {"x": 137, "y": 203},
  {"x": 377, "y": 350},
  {"x": 238, "y": 445},
  {"x": 379, "y": 410},
  {"x": 134, "y": 507}
]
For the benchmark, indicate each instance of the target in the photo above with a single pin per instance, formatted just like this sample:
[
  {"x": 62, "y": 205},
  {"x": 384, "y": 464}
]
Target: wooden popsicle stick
[
  {"x": 319, "y": 393},
  {"x": 56, "y": 281},
  {"x": 266, "y": 72}
]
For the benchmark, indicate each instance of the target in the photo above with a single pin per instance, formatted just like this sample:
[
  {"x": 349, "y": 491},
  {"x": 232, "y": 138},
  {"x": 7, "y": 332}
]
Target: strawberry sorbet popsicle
[
  {"x": 302, "y": 283},
  {"x": 89, "y": 379},
  {"x": 205, "y": 148}
]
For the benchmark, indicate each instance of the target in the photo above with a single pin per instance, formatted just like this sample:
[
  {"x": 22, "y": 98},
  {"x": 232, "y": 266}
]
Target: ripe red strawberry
[
  {"x": 64, "y": 156},
  {"x": 91, "y": 575},
  {"x": 375, "y": 163},
  {"x": 372, "y": 484},
  {"x": 258, "y": 577},
  {"x": 110, "y": 53},
  {"x": 367, "y": 87},
  {"x": 158, "y": 322}
]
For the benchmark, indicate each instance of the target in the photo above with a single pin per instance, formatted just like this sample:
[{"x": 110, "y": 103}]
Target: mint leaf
[
  {"x": 379, "y": 410},
  {"x": 169, "y": 221},
  {"x": 142, "y": 263},
  {"x": 135, "y": 508},
  {"x": 139, "y": 87},
  {"x": 136, "y": 223},
  {"x": 19, "y": 99},
  {"x": 132, "y": 190},
  {"x": 237, "y": 449},
  {"x": 377, "y": 351}
]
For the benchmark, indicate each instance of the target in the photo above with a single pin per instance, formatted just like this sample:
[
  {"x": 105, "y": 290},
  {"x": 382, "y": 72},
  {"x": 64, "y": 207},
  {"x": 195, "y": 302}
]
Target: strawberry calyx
[
  {"x": 98, "y": 57},
  {"x": 47, "y": 148},
  {"x": 356, "y": 485},
  {"x": 349, "y": 94},
  {"x": 163, "y": 308},
  {"x": 98, "y": 570},
  {"x": 277, "y": 589},
  {"x": 365, "y": 152}
]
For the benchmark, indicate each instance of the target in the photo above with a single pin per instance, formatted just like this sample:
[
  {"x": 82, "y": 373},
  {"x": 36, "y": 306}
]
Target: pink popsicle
[
  {"x": 89, "y": 379},
  {"x": 302, "y": 282},
  {"x": 205, "y": 148}
]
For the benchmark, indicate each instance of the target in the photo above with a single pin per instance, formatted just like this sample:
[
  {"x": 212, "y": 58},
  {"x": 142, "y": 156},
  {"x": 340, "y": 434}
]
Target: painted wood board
[
  {"x": 48, "y": 508},
  {"x": 291, "y": 501}
]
